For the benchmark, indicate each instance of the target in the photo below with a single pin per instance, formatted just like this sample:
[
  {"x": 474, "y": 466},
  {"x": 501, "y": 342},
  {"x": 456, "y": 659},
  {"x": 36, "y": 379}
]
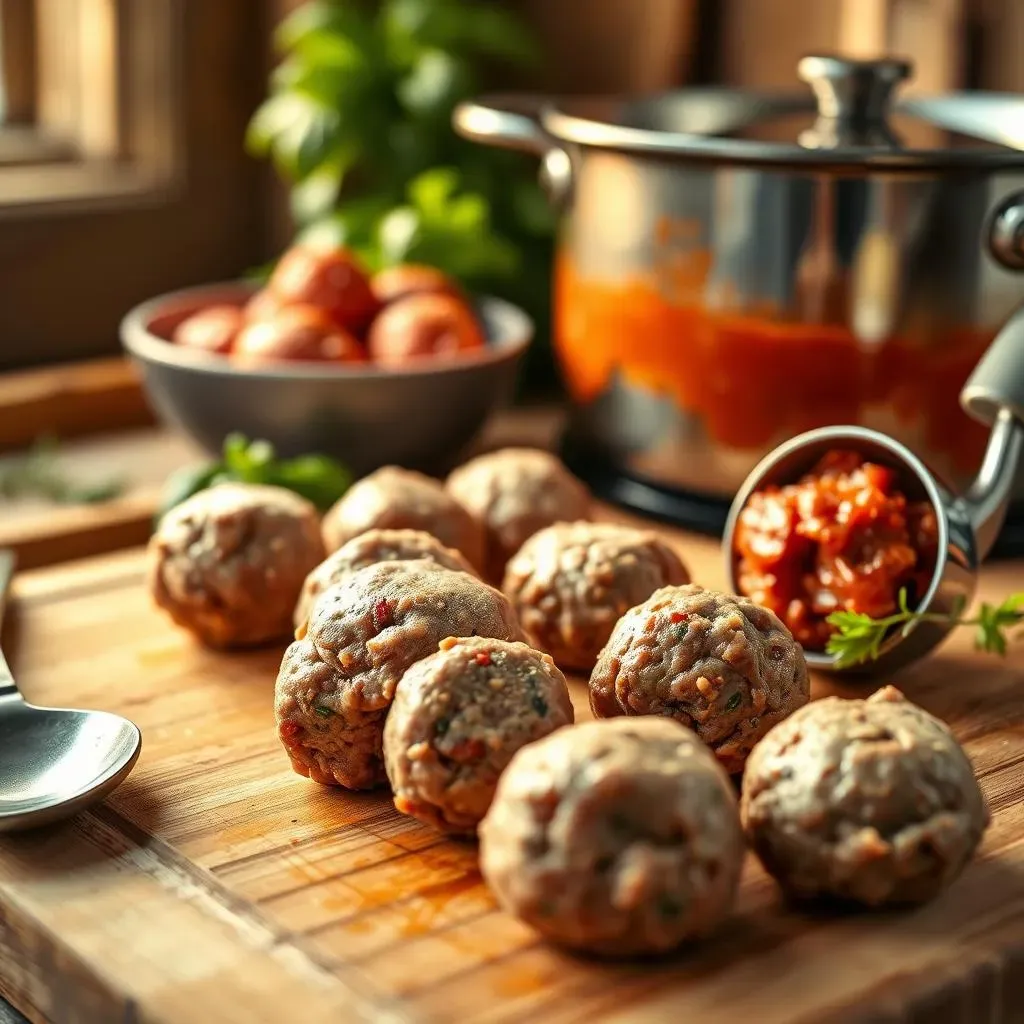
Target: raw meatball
[
  {"x": 721, "y": 665},
  {"x": 571, "y": 582},
  {"x": 459, "y": 716},
  {"x": 369, "y": 548},
  {"x": 229, "y": 562},
  {"x": 213, "y": 329},
  {"x": 514, "y": 493},
  {"x": 304, "y": 333},
  {"x": 398, "y": 499},
  {"x": 872, "y": 801},
  {"x": 338, "y": 679},
  {"x": 425, "y": 324},
  {"x": 619, "y": 838}
]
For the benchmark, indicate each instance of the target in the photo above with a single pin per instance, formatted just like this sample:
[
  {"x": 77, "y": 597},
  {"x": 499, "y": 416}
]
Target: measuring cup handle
[
  {"x": 512, "y": 121},
  {"x": 994, "y": 394},
  {"x": 997, "y": 382}
]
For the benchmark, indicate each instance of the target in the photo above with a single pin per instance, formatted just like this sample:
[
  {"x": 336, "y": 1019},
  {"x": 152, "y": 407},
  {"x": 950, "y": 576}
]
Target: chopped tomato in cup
[{"x": 843, "y": 538}]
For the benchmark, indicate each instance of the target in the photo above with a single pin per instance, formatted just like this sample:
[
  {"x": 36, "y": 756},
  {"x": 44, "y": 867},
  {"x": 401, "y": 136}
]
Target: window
[{"x": 122, "y": 168}]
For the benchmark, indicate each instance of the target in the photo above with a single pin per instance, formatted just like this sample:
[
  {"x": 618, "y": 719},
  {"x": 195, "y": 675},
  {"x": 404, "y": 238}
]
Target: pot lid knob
[{"x": 856, "y": 91}]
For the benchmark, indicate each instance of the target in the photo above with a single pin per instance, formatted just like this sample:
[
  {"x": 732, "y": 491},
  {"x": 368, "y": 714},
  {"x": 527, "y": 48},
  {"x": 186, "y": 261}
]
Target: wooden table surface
[{"x": 216, "y": 885}]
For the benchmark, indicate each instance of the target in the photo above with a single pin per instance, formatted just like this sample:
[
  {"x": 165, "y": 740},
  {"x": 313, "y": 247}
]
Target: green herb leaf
[
  {"x": 317, "y": 478},
  {"x": 859, "y": 638},
  {"x": 734, "y": 701},
  {"x": 322, "y": 711}
]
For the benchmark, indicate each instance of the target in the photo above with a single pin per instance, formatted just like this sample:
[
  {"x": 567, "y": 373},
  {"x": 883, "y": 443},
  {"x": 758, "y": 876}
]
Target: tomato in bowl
[{"x": 421, "y": 411}]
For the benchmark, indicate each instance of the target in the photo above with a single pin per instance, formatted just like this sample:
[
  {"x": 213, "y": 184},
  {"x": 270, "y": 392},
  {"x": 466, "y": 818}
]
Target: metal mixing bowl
[{"x": 421, "y": 417}]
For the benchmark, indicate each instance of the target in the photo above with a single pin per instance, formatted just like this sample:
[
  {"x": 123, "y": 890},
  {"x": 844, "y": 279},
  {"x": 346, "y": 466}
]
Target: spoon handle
[{"x": 8, "y": 687}]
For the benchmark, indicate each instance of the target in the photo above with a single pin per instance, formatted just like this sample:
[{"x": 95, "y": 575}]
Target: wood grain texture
[
  {"x": 218, "y": 886},
  {"x": 43, "y": 533},
  {"x": 70, "y": 400}
]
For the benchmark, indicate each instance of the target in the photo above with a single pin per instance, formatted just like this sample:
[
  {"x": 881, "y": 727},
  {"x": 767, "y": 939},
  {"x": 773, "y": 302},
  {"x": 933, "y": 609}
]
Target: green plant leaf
[
  {"x": 435, "y": 83},
  {"x": 322, "y": 18},
  {"x": 272, "y": 117},
  {"x": 398, "y": 234},
  {"x": 473, "y": 29},
  {"x": 432, "y": 191},
  {"x": 532, "y": 209},
  {"x": 298, "y": 131},
  {"x": 330, "y": 49},
  {"x": 316, "y": 195},
  {"x": 353, "y": 223},
  {"x": 492, "y": 31},
  {"x": 468, "y": 214}
]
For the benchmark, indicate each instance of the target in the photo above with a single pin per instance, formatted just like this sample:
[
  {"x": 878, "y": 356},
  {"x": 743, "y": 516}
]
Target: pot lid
[{"x": 850, "y": 118}]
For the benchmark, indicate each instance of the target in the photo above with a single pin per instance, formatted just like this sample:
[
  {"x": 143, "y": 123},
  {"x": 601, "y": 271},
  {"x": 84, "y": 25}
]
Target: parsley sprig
[{"x": 859, "y": 638}]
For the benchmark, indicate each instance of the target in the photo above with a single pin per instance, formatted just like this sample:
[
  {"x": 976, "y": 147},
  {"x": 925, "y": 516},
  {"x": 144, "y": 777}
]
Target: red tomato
[
  {"x": 423, "y": 325},
  {"x": 328, "y": 278},
  {"x": 264, "y": 305},
  {"x": 297, "y": 333},
  {"x": 213, "y": 329},
  {"x": 396, "y": 283}
]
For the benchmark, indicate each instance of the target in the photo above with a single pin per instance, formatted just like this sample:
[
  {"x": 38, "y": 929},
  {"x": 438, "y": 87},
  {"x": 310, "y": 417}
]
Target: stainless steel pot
[{"x": 736, "y": 268}]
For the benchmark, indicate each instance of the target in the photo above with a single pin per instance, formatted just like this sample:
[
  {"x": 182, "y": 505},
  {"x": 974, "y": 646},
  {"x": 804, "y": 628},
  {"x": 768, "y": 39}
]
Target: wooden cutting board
[{"x": 218, "y": 886}]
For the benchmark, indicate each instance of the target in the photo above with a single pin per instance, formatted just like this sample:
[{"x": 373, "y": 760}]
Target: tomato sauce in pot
[
  {"x": 753, "y": 379},
  {"x": 843, "y": 538}
]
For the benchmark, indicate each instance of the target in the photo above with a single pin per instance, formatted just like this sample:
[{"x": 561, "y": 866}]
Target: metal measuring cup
[{"x": 968, "y": 523}]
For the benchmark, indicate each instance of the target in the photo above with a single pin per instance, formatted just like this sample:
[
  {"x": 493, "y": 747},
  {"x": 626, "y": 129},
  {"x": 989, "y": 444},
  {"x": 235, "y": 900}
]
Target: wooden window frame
[
  {"x": 144, "y": 192},
  {"x": 90, "y": 106}
]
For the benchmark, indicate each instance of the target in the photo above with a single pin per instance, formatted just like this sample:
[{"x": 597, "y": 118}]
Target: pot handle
[
  {"x": 512, "y": 121},
  {"x": 997, "y": 383}
]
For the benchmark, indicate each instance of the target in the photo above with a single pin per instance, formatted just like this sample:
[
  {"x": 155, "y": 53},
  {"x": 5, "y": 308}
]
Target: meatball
[
  {"x": 458, "y": 717},
  {"x": 394, "y": 283},
  {"x": 296, "y": 333},
  {"x": 515, "y": 492},
  {"x": 329, "y": 278},
  {"x": 619, "y": 838},
  {"x": 721, "y": 665},
  {"x": 228, "y": 563},
  {"x": 870, "y": 801},
  {"x": 425, "y": 324},
  {"x": 338, "y": 679},
  {"x": 213, "y": 329},
  {"x": 369, "y": 548},
  {"x": 569, "y": 584},
  {"x": 398, "y": 499}
]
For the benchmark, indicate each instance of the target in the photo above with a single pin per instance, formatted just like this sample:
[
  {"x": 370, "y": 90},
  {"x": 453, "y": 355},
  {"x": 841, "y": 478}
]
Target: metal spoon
[
  {"x": 53, "y": 763},
  {"x": 968, "y": 524}
]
